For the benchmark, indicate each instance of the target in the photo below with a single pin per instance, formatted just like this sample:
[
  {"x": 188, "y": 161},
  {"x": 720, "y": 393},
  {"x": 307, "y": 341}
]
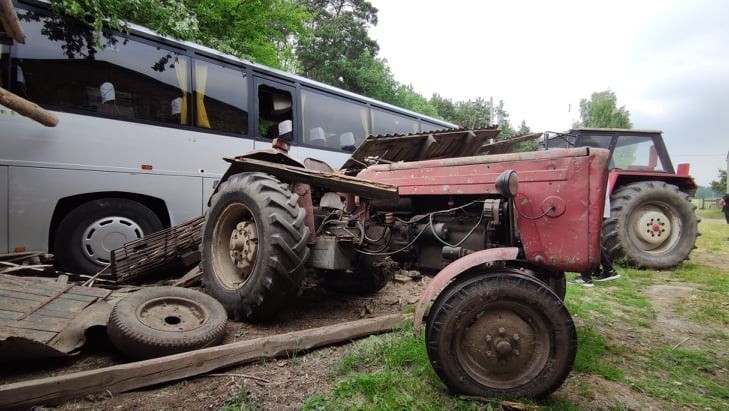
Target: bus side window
[
  {"x": 274, "y": 106},
  {"x": 221, "y": 98}
]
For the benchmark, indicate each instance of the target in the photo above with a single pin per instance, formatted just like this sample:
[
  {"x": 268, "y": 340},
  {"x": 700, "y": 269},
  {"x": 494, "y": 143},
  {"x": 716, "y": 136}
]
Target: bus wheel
[
  {"x": 86, "y": 236},
  {"x": 158, "y": 321},
  {"x": 253, "y": 246},
  {"x": 501, "y": 335}
]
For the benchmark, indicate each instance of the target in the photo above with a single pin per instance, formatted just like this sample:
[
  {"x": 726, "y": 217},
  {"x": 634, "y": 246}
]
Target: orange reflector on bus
[
  {"x": 146, "y": 166},
  {"x": 20, "y": 249}
]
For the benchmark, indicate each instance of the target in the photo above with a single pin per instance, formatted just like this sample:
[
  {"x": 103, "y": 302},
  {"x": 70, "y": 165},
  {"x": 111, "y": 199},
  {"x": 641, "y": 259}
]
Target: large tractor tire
[
  {"x": 253, "y": 246},
  {"x": 501, "y": 335},
  {"x": 158, "y": 321},
  {"x": 652, "y": 225}
]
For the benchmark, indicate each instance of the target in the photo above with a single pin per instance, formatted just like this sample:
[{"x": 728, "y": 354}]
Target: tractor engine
[{"x": 425, "y": 235}]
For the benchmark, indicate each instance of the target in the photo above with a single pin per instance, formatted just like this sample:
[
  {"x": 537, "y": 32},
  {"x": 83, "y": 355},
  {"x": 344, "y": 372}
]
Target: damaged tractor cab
[{"x": 497, "y": 231}]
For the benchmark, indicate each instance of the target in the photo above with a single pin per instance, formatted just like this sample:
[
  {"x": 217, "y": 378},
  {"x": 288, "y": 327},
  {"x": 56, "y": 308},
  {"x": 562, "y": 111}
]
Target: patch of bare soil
[{"x": 278, "y": 383}]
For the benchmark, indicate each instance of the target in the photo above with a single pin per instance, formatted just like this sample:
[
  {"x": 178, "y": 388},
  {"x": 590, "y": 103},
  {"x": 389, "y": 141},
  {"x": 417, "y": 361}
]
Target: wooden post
[
  {"x": 27, "y": 108},
  {"x": 9, "y": 20},
  {"x": 130, "y": 376}
]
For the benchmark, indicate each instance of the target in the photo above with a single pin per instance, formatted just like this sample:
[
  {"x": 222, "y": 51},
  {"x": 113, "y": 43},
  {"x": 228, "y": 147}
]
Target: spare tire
[{"x": 158, "y": 321}]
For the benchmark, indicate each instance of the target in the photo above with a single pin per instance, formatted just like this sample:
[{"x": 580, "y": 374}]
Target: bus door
[{"x": 275, "y": 103}]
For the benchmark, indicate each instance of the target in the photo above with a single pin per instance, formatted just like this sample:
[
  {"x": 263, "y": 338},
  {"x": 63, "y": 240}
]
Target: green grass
[
  {"x": 619, "y": 343},
  {"x": 389, "y": 372}
]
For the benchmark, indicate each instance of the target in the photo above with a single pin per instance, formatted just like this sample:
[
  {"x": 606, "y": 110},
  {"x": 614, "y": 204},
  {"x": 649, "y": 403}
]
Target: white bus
[{"x": 144, "y": 124}]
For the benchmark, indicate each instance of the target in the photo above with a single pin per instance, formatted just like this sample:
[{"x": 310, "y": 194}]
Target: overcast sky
[{"x": 667, "y": 62}]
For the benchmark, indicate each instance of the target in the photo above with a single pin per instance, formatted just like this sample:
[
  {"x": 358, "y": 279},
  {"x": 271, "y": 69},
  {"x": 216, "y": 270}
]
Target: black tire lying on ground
[{"x": 158, "y": 321}]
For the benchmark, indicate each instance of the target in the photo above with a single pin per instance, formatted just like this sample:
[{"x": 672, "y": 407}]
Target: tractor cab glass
[{"x": 636, "y": 153}]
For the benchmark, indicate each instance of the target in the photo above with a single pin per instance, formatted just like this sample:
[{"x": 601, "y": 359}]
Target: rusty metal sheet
[
  {"x": 421, "y": 146},
  {"x": 330, "y": 180}
]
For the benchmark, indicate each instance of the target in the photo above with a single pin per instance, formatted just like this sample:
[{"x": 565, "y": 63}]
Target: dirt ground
[
  {"x": 279, "y": 383},
  {"x": 283, "y": 383}
]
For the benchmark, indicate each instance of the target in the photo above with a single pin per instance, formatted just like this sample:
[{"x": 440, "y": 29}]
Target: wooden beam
[
  {"x": 9, "y": 21},
  {"x": 130, "y": 376},
  {"x": 27, "y": 108}
]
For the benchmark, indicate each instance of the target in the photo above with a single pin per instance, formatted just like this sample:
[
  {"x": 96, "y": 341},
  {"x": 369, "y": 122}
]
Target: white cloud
[{"x": 667, "y": 62}]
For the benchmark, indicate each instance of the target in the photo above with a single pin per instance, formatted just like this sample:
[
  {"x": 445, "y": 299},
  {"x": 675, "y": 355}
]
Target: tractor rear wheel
[
  {"x": 652, "y": 225},
  {"x": 501, "y": 335},
  {"x": 253, "y": 246}
]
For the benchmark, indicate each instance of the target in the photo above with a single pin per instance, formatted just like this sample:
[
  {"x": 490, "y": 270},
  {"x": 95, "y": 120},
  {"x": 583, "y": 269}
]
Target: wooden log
[
  {"x": 127, "y": 377},
  {"x": 9, "y": 20},
  {"x": 27, "y": 108}
]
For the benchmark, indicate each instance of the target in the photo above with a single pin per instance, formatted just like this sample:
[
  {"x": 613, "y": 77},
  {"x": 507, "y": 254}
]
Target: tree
[
  {"x": 338, "y": 50},
  {"x": 719, "y": 185},
  {"x": 261, "y": 31},
  {"x": 602, "y": 111}
]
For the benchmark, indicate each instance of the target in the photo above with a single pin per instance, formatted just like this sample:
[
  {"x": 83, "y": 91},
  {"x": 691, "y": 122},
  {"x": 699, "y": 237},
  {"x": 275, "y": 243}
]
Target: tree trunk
[
  {"x": 27, "y": 108},
  {"x": 9, "y": 20}
]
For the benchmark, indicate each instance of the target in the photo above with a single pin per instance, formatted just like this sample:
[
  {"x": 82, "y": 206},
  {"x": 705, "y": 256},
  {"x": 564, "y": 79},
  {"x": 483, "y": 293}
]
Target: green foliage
[
  {"x": 261, "y": 31},
  {"x": 406, "y": 97},
  {"x": 602, "y": 111},
  {"x": 707, "y": 192},
  {"x": 719, "y": 185},
  {"x": 338, "y": 49}
]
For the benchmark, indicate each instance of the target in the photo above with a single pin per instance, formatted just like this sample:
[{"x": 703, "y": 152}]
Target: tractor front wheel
[{"x": 501, "y": 335}]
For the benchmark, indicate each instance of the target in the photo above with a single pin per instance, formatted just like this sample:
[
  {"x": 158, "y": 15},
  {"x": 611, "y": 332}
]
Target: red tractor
[
  {"x": 651, "y": 221},
  {"x": 498, "y": 233}
]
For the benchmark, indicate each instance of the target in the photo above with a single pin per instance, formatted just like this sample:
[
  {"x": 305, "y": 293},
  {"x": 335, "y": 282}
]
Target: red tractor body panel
[{"x": 560, "y": 200}]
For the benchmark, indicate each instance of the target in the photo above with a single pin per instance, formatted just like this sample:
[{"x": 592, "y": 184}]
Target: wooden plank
[
  {"x": 20, "y": 295},
  {"x": 130, "y": 376},
  {"x": 35, "y": 335},
  {"x": 35, "y": 321},
  {"x": 31, "y": 296},
  {"x": 39, "y": 323},
  {"x": 24, "y": 306},
  {"x": 50, "y": 288},
  {"x": 329, "y": 180}
]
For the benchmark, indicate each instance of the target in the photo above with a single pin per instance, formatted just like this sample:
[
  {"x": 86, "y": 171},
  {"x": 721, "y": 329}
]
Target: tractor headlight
[{"x": 507, "y": 184}]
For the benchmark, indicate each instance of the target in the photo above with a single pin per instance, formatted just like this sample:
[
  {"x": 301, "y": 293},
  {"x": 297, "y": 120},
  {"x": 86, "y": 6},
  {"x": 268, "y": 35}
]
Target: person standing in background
[{"x": 725, "y": 206}]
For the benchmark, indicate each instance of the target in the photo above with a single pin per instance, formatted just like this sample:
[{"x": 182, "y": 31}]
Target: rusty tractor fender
[{"x": 453, "y": 270}]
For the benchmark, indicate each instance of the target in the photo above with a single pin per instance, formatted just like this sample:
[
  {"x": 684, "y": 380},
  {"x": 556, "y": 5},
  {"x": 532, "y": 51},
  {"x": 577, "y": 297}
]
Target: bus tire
[
  {"x": 158, "y": 321},
  {"x": 254, "y": 246},
  {"x": 86, "y": 236}
]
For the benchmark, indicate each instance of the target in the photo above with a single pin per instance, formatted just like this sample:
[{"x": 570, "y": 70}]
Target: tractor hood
[{"x": 422, "y": 146}]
